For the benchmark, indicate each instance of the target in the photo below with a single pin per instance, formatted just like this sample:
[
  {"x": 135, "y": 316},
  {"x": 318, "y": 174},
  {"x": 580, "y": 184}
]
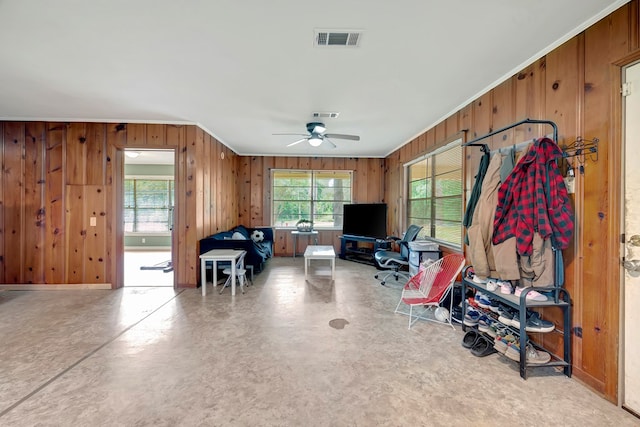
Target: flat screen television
[{"x": 365, "y": 220}]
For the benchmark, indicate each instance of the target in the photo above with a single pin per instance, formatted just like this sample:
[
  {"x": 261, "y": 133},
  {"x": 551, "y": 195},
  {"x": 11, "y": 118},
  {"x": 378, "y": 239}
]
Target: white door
[{"x": 631, "y": 373}]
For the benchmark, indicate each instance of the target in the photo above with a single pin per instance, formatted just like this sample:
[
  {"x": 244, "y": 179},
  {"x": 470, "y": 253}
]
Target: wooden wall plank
[
  {"x": 55, "y": 199},
  {"x": 14, "y": 177},
  {"x": 156, "y": 135},
  {"x": 76, "y": 161},
  {"x": 96, "y": 146},
  {"x": 76, "y": 227},
  {"x": 94, "y": 252},
  {"x": 34, "y": 203},
  {"x": 2, "y": 184},
  {"x": 136, "y": 135}
]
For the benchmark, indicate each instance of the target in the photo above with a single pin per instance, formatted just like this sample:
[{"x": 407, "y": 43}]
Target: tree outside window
[{"x": 312, "y": 195}]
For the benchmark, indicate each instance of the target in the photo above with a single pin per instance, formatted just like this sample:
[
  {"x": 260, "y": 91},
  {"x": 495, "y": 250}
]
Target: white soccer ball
[
  {"x": 441, "y": 314},
  {"x": 257, "y": 236}
]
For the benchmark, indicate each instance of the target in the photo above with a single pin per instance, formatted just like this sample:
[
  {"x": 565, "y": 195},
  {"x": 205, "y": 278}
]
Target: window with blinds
[
  {"x": 312, "y": 195},
  {"x": 148, "y": 205},
  {"x": 435, "y": 194}
]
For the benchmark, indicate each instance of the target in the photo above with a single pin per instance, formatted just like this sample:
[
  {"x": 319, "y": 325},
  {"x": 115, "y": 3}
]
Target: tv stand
[{"x": 361, "y": 248}]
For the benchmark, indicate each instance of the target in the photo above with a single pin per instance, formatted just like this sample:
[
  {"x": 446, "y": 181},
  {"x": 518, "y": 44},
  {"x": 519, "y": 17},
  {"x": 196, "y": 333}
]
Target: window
[
  {"x": 148, "y": 205},
  {"x": 435, "y": 194},
  {"x": 314, "y": 195}
]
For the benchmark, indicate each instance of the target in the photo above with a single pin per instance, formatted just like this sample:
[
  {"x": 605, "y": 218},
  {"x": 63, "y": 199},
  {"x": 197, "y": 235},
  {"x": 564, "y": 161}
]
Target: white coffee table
[{"x": 320, "y": 252}]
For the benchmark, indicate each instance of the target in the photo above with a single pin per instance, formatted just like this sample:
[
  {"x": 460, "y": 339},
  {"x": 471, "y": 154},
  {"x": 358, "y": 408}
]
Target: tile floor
[{"x": 286, "y": 353}]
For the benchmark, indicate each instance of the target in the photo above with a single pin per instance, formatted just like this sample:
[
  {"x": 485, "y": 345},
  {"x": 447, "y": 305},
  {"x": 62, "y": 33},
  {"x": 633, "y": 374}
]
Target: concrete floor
[{"x": 286, "y": 353}]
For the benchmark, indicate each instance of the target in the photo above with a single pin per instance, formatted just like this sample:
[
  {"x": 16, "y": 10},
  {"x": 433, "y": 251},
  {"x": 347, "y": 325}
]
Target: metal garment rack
[
  {"x": 485, "y": 147},
  {"x": 561, "y": 298}
]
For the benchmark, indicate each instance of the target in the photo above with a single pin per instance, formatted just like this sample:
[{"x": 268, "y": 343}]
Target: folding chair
[{"x": 430, "y": 286}]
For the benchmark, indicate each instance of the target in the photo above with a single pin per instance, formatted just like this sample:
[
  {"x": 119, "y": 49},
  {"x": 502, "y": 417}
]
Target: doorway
[
  {"x": 631, "y": 211},
  {"x": 148, "y": 213}
]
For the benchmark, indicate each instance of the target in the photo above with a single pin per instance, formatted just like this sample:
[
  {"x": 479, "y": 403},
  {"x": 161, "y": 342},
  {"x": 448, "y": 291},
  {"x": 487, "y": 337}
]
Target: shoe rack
[{"x": 560, "y": 299}]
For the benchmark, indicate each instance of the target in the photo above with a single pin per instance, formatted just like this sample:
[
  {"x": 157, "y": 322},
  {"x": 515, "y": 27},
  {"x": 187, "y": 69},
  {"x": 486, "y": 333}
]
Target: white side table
[
  {"x": 296, "y": 233},
  {"x": 235, "y": 256},
  {"x": 320, "y": 252}
]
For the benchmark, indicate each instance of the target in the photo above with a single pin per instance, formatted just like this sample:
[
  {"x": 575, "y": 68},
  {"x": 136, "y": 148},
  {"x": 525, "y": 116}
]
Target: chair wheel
[
  {"x": 382, "y": 283},
  {"x": 376, "y": 276}
]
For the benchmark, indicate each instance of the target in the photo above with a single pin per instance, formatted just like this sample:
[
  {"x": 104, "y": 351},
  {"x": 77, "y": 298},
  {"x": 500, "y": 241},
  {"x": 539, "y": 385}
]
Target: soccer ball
[{"x": 257, "y": 236}]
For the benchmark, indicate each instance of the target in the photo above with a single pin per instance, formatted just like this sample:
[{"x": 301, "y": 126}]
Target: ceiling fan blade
[
  {"x": 299, "y": 134},
  {"x": 329, "y": 141},
  {"x": 341, "y": 136},
  {"x": 297, "y": 142}
]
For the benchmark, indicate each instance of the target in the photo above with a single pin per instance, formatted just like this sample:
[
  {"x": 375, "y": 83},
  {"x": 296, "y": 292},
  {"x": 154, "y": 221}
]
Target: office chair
[{"x": 394, "y": 261}]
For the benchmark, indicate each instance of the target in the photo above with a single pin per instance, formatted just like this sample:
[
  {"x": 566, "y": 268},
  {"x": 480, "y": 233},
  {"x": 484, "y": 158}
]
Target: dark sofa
[{"x": 257, "y": 252}]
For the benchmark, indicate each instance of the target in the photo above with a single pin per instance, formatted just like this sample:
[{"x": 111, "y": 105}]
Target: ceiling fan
[{"x": 316, "y": 135}]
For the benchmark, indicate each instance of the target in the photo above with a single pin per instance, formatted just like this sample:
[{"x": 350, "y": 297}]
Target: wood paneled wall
[
  {"x": 56, "y": 176},
  {"x": 255, "y": 191},
  {"x": 578, "y": 86}
]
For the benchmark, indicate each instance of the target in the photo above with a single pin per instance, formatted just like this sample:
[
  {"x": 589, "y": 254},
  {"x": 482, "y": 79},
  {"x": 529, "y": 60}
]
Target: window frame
[
  {"x": 172, "y": 208},
  {"x": 312, "y": 190},
  {"x": 428, "y": 231}
]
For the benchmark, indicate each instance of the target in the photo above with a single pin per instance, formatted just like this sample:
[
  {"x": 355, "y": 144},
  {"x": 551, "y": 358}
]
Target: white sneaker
[
  {"x": 477, "y": 279},
  {"x": 505, "y": 287},
  {"x": 532, "y": 295},
  {"x": 492, "y": 285}
]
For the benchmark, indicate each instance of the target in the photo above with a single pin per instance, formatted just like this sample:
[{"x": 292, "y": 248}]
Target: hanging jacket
[
  {"x": 534, "y": 199},
  {"x": 481, "y": 230},
  {"x": 476, "y": 190}
]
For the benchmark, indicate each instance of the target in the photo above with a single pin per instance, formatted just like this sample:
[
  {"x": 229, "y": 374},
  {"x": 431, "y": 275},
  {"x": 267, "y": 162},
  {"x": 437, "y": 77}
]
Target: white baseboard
[{"x": 65, "y": 287}]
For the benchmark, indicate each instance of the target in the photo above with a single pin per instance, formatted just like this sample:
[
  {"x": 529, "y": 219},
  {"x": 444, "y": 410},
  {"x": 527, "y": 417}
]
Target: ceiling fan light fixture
[
  {"x": 319, "y": 129},
  {"x": 315, "y": 141}
]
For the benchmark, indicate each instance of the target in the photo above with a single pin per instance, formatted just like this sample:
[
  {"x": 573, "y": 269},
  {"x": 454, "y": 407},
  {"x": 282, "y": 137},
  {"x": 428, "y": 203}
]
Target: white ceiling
[{"x": 244, "y": 70}]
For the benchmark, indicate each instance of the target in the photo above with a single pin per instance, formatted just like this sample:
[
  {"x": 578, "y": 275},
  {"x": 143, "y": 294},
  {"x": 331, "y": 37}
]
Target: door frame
[
  {"x": 119, "y": 204},
  {"x": 633, "y": 60}
]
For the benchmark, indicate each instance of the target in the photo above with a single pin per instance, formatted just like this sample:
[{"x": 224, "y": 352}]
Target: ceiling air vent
[
  {"x": 323, "y": 114},
  {"x": 337, "y": 38}
]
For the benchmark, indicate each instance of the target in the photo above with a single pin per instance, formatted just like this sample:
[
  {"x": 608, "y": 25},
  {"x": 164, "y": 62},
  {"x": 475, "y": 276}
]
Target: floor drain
[{"x": 338, "y": 323}]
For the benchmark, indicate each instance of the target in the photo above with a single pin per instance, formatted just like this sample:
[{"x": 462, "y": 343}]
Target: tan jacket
[{"x": 480, "y": 248}]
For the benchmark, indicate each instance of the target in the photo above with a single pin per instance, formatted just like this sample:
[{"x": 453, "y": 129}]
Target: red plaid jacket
[{"x": 523, "y": 206}]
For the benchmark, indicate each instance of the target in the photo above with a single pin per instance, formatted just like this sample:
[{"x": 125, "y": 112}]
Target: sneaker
[
  {"x": 532, "y": 295},
  {"x": 494, "y": 306},
  {"x": 537, "y": 357},
  {"x": 506, "y": 315},
  {"x": 501, "y": 343},
  {"x": 536, "y": 324},
  {"x": 478, "y": 279},
  {"x": 492, "y": 285},
  {"x": 513, "y": 351},
  {"x": 471, "y": 317},
  {"x": 456, "y": 314},
  {"x": 483, "y": 301},
  {"x": 505, "y": 287},
  {"x": 484, "y": 322}
]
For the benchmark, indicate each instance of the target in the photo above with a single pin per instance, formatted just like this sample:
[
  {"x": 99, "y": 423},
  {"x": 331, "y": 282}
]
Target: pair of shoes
[
  {"x": 494, "y": 305},
  {"x": 536, "y": 324},
  {"x": 533, "y": 356},
  {"x": 531, "y": 296},
  {"x": 456, "y": 314},
  {"x": 482, "y": 300},
  {"x": 501, "y": 342},
  {"x": 492, "y": 285},
  {"x": 483, "y": 347},
  {"x": 471, "y": 317},
  {"x": 506, "y": 315},
  {"x": 470, "y": 338},
  {"x": 485, "y": 322},
  {"x": 505, "y": 287},
  {"x": 478, "y": 279}
]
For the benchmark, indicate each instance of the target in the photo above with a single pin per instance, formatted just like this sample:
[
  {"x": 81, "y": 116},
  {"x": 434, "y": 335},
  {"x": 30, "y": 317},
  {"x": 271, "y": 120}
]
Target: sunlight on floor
[{"x": 134, "y": 276}]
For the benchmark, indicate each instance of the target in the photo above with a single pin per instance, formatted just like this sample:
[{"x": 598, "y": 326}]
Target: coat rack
[{"x": 581, "y": 149}]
